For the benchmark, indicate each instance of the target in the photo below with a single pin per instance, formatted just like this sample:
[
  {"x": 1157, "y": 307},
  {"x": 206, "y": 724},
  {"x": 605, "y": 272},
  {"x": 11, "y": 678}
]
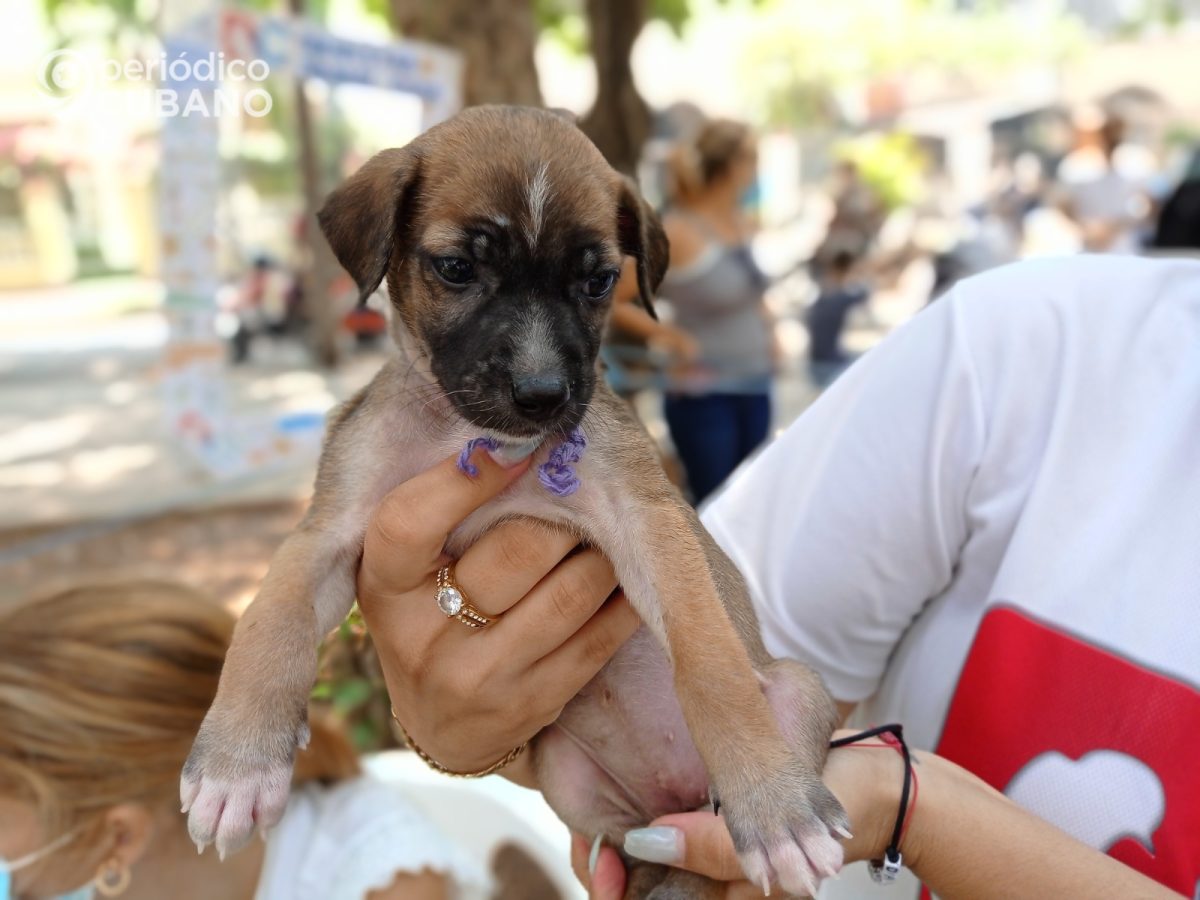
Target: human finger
[
  {"x": 598, "y": 868},
  {"x": 586, "y": 652},
  {"x": 506, "y": 563},
  {"x": 696, "y": 841},
  {"x": 405, "y": 536},
  {"x": 559, "y": 606}
]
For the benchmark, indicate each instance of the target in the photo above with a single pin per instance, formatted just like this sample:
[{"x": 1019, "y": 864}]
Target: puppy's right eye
[{"x": 453, "y": 269}]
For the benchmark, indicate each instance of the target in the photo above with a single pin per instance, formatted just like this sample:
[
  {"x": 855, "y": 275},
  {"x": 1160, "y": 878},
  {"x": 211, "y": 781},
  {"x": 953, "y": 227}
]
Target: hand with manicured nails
[
  {"x": 865, "y": 779},
  {"x": 468, "y": 696},
  {"x": 961, "y": 838}
]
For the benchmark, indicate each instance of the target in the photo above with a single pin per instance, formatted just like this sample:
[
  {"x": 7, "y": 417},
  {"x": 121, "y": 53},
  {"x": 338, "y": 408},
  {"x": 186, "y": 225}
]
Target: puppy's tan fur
[{"x": 759, "y": 727}]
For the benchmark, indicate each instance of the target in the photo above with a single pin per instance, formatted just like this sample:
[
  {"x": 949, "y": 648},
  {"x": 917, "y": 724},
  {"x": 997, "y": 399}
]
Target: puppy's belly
[{"x": 620, "y": 754}]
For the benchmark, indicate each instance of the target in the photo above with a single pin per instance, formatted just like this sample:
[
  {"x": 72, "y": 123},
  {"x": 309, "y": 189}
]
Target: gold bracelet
[{"x": 438, "y": 767}]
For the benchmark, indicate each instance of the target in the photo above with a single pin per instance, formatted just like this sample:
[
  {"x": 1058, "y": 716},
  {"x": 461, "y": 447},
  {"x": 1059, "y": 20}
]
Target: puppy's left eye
[
  {"x": 598, "y": 286},
  {"x": 453, "y": 269}
]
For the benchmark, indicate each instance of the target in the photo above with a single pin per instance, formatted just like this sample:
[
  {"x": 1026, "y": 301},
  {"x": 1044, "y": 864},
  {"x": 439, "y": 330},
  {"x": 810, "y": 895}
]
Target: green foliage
[
  {"x": 803, "y": 57},
  {"x": 314, "y": 8},
  {"x": 139, "y": 15},
  {"x": 378, "y": 9},
  {"x": 350, "y": 694},
  {"x": 366, "y": 735},
  {"x": 892, "y": 164},
  {"x": 350, "y": 686},
  {"x": 551, "y": 13},
  {"x": 1183, "y": 135},
  {"x": 1168, "y": 13},
  {"x": 677, "y": 13},
  {"x": 563, "y": 21},
  {"x": 674, "y": 12},
  {"x": 123, "y": 10}
]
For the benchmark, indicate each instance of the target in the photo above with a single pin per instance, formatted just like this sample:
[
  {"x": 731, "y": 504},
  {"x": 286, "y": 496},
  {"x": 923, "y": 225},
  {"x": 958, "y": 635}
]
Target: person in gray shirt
[{"x": 718, "y": 407}]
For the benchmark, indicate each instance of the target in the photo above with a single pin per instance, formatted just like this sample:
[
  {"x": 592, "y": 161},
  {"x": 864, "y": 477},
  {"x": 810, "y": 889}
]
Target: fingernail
[
  {"x": 659, "y": 844},
  {"x": 594, "y": 857}
]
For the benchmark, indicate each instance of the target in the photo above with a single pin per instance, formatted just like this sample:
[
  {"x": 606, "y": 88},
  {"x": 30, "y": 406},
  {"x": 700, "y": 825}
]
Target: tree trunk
[
  {"x": 619, "y": 121},
  {"x": 320, "y": 266},
  {"x": 495, "y": 37},
  {"x": 322, "y": 313}
]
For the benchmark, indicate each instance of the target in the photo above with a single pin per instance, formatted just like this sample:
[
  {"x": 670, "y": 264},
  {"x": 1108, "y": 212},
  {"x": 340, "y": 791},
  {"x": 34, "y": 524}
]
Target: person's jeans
[{"x": 713, "y": 433}]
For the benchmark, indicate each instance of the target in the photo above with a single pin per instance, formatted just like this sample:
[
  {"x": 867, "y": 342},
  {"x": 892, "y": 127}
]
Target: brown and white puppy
[{"x": 500, "y": 233}]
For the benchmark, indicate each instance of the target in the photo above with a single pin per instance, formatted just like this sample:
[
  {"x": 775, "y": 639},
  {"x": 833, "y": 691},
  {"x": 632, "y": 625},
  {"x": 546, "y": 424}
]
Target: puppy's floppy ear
[
  {"x": 362, "y": 218},
  {"x": 641, "y": 236}
]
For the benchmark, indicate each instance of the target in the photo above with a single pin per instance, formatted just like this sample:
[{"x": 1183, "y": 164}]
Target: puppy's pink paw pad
[{"x": 227, "y": 812}]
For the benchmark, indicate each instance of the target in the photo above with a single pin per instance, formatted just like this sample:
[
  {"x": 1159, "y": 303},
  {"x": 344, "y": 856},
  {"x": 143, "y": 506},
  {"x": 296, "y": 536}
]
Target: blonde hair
[
  {"x": 699, "y": 161},
  {"x": 102, "y": 689}
]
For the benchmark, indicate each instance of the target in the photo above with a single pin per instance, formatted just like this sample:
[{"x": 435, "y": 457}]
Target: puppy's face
[
  {"x": 502, "y": 233},
  {"x": 507, "y": 284}
]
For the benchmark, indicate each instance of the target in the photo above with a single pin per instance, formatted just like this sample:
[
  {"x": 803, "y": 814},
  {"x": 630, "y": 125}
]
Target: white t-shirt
[
  {"x": 989, "y": 530},
  {"x": 344, "y": 841}
]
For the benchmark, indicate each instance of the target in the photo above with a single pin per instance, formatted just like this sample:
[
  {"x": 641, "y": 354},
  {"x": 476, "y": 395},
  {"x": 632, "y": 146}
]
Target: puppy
[{"x": 501, "y": 233}]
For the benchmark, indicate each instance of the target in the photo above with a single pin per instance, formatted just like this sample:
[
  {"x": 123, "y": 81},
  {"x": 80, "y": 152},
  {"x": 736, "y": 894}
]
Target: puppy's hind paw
[{"x": 784, "y": 833}]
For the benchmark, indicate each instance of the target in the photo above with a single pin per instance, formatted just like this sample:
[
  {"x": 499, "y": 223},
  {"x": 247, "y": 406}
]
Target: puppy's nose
[{"x": 542, "y": 395}]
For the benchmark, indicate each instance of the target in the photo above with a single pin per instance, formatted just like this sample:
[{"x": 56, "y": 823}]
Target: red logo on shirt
[{"x": 1103, "y": 748}]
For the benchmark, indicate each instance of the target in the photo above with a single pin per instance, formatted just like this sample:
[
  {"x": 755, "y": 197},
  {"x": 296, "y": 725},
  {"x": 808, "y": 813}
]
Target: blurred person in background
[
  {"x": 1105, "y": 204},
  {"x": 638, "y": 346},
  {"x": 858, "y": 216},
  {"x": 1178, "y": 226},
  {"x": 267, "y": 302},
  {"x": 719, "y": 410},
  {"x": 826, "y": 318},
  {"x": 254, "y": 306},
  {"x": 102, "y": 690}
]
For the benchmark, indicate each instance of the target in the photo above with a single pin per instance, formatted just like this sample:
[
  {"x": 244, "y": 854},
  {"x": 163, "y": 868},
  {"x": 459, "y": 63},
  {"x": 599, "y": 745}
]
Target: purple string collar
[{"x": 557, "y": 474}]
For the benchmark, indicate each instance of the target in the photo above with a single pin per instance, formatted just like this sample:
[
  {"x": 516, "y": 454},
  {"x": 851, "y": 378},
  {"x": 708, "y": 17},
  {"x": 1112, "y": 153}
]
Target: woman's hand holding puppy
[{"x": 468, "y": 696}]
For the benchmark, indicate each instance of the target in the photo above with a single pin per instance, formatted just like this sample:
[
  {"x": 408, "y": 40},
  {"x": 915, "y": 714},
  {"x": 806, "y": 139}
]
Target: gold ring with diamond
[{"x": 452, "y": 600}]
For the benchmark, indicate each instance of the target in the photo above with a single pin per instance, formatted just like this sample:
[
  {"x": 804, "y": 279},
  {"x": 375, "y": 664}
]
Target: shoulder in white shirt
[{"x": 988, "y": 529}]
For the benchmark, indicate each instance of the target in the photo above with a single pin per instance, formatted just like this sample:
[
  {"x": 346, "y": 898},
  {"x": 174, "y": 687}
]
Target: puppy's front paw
[
  {"x": 236, "y": 780},
  {"x": 784, "y": 831}
]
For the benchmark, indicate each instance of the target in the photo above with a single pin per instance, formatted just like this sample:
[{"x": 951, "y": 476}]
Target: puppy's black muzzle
[{"x": 542, "y": 396}]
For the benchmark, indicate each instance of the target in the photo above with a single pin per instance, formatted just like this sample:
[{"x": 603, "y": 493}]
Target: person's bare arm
[
  {"x": 686, "y": 242},
  {"x": 970, "y": 841},
  {"x": 964, "y": 840},
  {"x": 631, "y": 318}
]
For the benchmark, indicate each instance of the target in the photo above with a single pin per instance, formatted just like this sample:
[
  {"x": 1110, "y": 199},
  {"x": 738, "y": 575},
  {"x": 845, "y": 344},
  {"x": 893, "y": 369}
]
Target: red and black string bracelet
[{"x": 887, "y": 869}]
